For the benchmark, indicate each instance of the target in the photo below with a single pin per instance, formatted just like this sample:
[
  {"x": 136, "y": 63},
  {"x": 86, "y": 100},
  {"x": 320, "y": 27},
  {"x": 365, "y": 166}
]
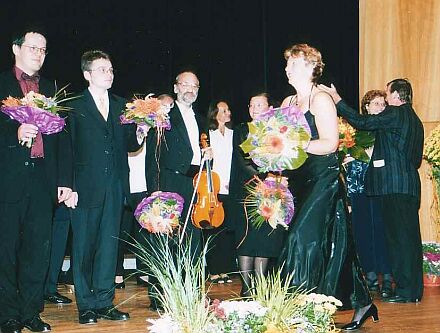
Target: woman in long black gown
[{"x": 318, "y": 251}]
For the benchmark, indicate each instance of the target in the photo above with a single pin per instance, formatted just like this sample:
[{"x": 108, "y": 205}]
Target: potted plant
[{"x": 431, "y": 264}]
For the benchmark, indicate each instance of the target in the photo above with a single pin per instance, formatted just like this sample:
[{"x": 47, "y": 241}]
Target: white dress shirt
[
  {"x": 102, "y": 103},
  {"x": 222, "y": 156},
  {"x": 193, "y": 131}
]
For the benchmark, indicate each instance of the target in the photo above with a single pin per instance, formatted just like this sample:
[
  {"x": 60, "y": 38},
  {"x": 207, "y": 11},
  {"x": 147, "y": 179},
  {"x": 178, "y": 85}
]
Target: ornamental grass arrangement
[{"x": 273, "y": 307}]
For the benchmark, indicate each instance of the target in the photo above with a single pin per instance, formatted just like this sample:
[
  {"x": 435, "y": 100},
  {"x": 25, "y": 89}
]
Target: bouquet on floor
[
  {"x": 160, "y": 212},
  {"x": 239, "y": 316},
  {"x": 278, "y": 139},
  {"x": 148, "y": 112},
  {"x": 269, "y": 201},
  {"x": 431, "y": 258},
  {"x": 353, "y": 142},
  {"x": 38, "y": 110}
]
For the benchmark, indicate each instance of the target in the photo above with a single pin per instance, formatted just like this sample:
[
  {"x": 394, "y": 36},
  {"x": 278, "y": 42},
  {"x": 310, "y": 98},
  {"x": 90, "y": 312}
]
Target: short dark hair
[
  {"x": 265, "y": 95},
  {"x": 403, "y": 88},
  {"x": 19, "y": 35},
  {"x": 90, "y": 56}
]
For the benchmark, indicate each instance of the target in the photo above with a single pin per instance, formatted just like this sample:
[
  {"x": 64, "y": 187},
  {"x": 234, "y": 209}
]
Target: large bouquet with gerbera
[
  {"x": 353, "y": 142},
  {"x": 277, "y": 139},
  {"x": 160, "y": 212},
  {"x": 38, "y": 110},
  {"x": 431, "y": 154},
  {"x": 269, "y": 201},
  {"x": 146, "y": 111}
]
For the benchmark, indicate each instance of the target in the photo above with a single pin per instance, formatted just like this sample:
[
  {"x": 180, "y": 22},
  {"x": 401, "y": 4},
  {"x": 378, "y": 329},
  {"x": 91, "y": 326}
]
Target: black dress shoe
[
  {"x": 400, "y": 299},
  {"x": 35, "y": 324},
  {"x": 120, "y": 285},
  {"x": 87, "y": 317},
  {"x": 57, "y": 298},
  {"x": 386, "y": 291},
  {"x": 111, "y": 313},
  {"x": 11, "y": 326},
  {"x": 155, "y": 305},
  {"x": 355, "y": 325}
]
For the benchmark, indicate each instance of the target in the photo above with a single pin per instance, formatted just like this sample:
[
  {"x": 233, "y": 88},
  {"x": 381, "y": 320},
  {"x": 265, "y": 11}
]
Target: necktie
[
  {"x": 33, "y": 78},
  {"x": 102, "y": 107},
  {"x": 37, "y": 150}
]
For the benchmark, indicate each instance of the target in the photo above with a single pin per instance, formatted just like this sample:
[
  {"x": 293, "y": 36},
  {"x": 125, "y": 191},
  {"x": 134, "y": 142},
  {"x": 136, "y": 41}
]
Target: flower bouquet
[
  {"x": 147, "y": 111},
  {"x": 239, "y": 316},
  {"x": 353, "y": 142},
  {"x": 269, "y": 201},
  {"x": 431, "y": 154},
  {"x": 431, "y": 263},
  {"x": 277, "y": 139},
  {"x": 38, "y": 110},
  {"x": 160, "y": 212}
]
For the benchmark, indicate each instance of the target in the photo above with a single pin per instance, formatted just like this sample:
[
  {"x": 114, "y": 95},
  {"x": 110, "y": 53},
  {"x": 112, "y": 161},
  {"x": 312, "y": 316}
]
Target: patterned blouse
[{"x": 356, "y": 177}]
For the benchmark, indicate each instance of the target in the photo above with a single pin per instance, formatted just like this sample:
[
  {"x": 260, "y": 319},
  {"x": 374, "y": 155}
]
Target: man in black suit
[
  {"x": 393, "y": 175},
  {"x": 32, "y": 181},
  {"x": 100, "y": 172}
]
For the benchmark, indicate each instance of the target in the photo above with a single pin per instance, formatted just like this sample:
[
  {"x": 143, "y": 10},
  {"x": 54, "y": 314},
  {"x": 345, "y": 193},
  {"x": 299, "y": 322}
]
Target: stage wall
[{"x": 400, "y": 38}]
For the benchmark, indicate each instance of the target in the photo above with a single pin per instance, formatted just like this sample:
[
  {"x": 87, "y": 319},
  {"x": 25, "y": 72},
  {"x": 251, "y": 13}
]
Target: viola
[{"x": 208, "y": 212}]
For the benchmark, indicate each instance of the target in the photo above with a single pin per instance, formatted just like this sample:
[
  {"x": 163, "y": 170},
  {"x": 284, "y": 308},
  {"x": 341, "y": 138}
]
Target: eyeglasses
[
  {"x": 258, "y": 105},
  {"x": 189, "y": 85},
  {"x": 103, "y": 70},
  {"x": 36, "y": 49},
  {"x": 382, "y": 105}
]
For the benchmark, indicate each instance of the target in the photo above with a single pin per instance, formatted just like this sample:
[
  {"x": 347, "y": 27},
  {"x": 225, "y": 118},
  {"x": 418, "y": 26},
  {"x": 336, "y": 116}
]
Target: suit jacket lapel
[
  {"x": 179, "y": 124},
  {"x": 92, "y": 109}
]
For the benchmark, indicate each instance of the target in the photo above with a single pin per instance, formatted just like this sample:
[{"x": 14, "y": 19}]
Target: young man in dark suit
[
  {"x": 100, "y": 171},
  {"x": 32, "y": 181},
  {"x": 393, "y": 175}
]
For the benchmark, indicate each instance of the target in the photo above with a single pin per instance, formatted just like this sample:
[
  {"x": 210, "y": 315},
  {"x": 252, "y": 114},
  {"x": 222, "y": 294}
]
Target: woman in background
[
  {"x": 366, "y": 213},
  {"x": 221, "y": 255},
  {"x": 255, "y": 246}
]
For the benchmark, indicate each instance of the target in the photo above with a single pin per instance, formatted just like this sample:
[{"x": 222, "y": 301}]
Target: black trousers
[
  {"x": 402, "y": 233},
  {"x": 130, "y": 230},
  {"x": 60, "y": 234},
  {"x": 95, "y": 248},
  {"x": 25, "y": 233},
  {"x": 221, "y": 256}
]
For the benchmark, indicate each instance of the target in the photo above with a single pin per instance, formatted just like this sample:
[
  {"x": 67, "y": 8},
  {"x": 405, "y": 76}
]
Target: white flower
[{"x": 164, "y": 324}]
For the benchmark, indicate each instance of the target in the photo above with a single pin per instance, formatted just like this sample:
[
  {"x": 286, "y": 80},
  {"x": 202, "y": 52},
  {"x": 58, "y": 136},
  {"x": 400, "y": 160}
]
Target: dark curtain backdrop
[{"x": 235, "y": 46}]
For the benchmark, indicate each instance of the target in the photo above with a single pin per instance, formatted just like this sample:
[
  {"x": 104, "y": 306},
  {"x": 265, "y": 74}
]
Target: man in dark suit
[
  {"x": 180, "y": 155},
  {"x": 32, "y": 181},
  {"x": 100, "y": 172},
  {"x": 393, "y": 175}
]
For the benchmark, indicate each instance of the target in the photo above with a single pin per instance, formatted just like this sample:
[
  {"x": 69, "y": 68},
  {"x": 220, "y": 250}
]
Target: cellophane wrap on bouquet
[
  {"x": 269, "y": 201},
  {"x": 353, "y": 142},
  {"x": 278, "y": 139},
  {"x": 147, "y": 111},
  {"x": 160, "y": 212},
  {"x": 38, "y": 110}
]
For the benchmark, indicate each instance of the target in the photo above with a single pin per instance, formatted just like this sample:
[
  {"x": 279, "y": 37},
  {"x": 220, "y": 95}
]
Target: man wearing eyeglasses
[
  {"x": 100, "y": 171},
  {"x": 32, "y": 181},
  {"x": 180, "y": 154}
]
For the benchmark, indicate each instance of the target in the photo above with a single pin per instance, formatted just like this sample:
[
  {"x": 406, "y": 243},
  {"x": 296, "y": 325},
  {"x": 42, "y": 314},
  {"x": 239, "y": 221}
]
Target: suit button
[
  {"x": 26, "y": 163},
  {"x": 106, "y": 152},
  {"x": 105, "y": 170}
]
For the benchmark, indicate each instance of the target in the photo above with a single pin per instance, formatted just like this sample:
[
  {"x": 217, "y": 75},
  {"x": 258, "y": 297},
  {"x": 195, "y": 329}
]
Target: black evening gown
[
  {"x": 319, "y": 250},
  {"x": 264, "y": 241}
]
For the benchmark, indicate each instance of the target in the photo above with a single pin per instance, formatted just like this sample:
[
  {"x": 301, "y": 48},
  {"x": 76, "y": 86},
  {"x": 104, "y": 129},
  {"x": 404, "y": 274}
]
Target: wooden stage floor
[{"x": 423, "y": 317}]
